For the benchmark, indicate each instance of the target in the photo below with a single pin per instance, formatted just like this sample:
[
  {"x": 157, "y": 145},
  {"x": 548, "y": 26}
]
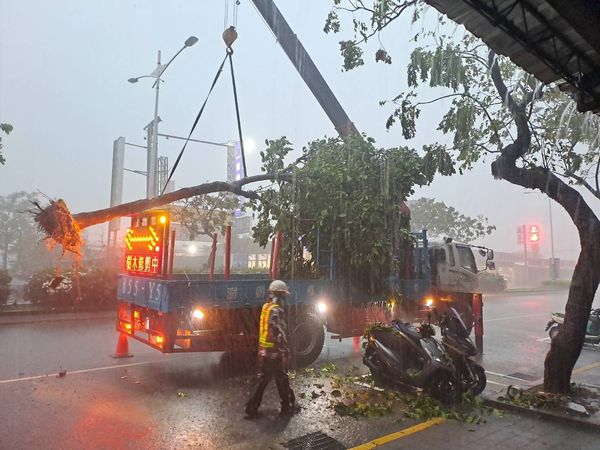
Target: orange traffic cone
[
  {"x": 356, "y": 344},
  {"x": 122, "y": 350}
]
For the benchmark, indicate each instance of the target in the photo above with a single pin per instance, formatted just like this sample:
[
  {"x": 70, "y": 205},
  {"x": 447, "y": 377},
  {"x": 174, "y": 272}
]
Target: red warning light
[{"x": 534, "y": 233}]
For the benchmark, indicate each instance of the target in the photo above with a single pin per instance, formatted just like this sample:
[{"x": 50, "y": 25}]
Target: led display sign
[{"x": 145, "y": 244}]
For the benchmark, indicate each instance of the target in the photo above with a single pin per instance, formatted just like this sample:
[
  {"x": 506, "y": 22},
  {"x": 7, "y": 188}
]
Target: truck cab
[
  {"x": 454, "y": 276},
  {"x": 453, "y": 267}
]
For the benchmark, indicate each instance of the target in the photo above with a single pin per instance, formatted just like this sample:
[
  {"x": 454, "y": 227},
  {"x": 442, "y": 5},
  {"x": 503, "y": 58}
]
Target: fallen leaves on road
[{"x": 355, "y": 394}]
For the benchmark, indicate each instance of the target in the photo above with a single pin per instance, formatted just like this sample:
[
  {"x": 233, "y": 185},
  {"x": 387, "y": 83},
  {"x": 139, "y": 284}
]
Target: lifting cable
[
  {"x": 237, "y": 112},
  {"x": 194, "y": 125},
  {"x": 229, "y": 35}
]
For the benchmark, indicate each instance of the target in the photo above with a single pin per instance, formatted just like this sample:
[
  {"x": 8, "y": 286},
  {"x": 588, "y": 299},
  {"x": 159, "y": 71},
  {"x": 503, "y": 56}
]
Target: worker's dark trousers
[{"x": 271, "y": 366}]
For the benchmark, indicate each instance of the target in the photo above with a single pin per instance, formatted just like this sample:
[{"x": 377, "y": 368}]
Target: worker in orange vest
[{"x": 273, "y": 351}]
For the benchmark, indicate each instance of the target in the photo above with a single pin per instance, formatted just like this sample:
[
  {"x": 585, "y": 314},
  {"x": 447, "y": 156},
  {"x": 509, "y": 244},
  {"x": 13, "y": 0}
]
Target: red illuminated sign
[{"x": 145, "y": 243}]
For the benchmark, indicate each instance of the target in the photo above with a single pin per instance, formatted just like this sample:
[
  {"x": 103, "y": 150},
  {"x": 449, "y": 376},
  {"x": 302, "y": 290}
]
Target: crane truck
[{"x": 200, "y": 313}]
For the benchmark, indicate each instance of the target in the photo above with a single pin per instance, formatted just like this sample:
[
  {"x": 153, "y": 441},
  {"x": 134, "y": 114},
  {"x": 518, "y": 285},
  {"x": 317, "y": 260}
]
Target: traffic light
[
  {"x": 533, "y": 237},
  {"x": 534, "y": 234},
  {"x": 520, "y": 237}
]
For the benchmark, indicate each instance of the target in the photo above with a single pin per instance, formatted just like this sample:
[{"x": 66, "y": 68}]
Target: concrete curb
[
  {"x": 38, "y": 317},
  {"x": 544, "y": 414}
]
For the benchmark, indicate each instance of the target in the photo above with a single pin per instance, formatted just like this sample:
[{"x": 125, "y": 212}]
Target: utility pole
[
  {"x": 525, "y": 239},
  {"x": 116, "y": 187}
]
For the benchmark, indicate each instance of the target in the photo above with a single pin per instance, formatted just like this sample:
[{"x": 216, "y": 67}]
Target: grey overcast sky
[{"x": 64, "y": 66}]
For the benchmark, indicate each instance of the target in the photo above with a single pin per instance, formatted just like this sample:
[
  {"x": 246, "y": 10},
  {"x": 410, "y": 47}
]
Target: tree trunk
[
  {"x": 87, "y": 219},
  {"x": 565, "y": 351},
  {"x": 62, "y": 227},
  {"x": 566, "y": 347},
  {"x": 5, "y": 256}
]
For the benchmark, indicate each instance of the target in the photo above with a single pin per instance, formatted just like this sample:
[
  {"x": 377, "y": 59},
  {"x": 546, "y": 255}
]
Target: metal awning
[{"x": 553, "y": 40}]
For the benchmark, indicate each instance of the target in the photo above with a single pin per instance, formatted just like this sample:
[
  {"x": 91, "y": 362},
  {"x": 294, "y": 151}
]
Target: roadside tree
[
  {"x": 5, "y": 280},
  {"x": 205, "y": 214},
  {"x": 5, "y": 128},
  {"x": 532, "y": 131},
  {"x": 440, "y": 221},
  {"x": 20, "y": 243}
]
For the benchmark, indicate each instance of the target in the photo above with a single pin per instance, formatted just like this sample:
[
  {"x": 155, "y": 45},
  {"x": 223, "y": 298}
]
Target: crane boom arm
[{"x": 305, "y": 66}]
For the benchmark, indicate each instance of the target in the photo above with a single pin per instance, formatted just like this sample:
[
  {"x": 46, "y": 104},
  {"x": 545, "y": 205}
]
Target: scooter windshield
[{"x": 456, "y": 323}]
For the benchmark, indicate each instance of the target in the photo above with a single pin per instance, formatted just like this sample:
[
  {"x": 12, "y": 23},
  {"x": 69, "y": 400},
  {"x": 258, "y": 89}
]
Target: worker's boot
[
  {"x": 251, "y": 410},
  {"x": 289, "y": 407}
]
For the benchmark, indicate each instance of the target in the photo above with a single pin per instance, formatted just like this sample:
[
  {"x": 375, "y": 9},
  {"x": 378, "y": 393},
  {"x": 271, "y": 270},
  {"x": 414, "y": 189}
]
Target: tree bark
[{"x": 566, "y": 347}]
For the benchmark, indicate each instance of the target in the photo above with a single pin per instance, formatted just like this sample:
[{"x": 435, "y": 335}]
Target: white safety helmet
[{"x": 278, "y": 286}]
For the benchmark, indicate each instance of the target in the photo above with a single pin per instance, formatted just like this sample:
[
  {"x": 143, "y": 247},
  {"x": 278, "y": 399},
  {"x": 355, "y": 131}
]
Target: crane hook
[{"x": 229, "y": 36}]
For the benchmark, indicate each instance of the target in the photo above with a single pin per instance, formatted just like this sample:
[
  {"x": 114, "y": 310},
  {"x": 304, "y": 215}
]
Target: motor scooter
[
  {"x": 400, "y": 353},
  {"x": 459, "y": 346},
  {"x": 592, "y": 332}
]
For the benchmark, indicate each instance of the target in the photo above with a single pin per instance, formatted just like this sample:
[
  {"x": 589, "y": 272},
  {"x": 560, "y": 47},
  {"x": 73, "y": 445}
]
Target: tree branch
[
  {"x": 521, "y": 144},
  {"x": 597, "y": 173},
  {"x": 582, "y": 181},
  {"x": 87, "y": 219}
]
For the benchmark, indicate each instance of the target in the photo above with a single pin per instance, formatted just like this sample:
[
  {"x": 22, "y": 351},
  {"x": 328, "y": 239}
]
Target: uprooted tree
[
  {"x": 63, "y": 228},
  {"x": 537, "y": 139}
]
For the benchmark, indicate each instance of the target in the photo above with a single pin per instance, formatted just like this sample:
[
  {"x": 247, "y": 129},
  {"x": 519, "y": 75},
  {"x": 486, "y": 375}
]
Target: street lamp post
[
  {"x": 152, "y": 154},
  {"x": 553, "y": 271}
]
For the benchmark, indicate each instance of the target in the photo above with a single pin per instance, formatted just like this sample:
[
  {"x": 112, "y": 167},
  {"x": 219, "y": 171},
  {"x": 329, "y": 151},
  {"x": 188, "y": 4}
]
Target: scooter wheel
[
  {"x": 553, "y": 332},
  {"x": 375, "y": 374},
  {"x": 445, "y": 388},
  {"x": 480, "y": 379}
]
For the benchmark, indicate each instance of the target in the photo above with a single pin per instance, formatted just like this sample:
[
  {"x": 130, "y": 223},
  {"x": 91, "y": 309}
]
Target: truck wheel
[{"x": 307, "y": 339}]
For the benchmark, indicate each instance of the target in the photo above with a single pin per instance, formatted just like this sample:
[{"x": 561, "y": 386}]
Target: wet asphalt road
[{"x": 156, "y": 401}]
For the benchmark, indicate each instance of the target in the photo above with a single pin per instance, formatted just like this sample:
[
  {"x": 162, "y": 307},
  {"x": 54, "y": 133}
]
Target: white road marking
[
  {"x": 75, "y": 372},
  {"x": 495, "y": 382},
  {"x": 546, "y": 339},
  {"x": 507, "y": 376},
  {"x": 367, "y": 385},
  {"x": 514, "y": 317}
]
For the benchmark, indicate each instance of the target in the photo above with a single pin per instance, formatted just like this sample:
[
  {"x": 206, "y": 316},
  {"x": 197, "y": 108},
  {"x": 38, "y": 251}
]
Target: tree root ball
[{"x": 59, "y": 226}]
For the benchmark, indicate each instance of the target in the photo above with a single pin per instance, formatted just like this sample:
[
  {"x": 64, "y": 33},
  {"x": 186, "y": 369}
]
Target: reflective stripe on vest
[{"x": 263, "y": 330}]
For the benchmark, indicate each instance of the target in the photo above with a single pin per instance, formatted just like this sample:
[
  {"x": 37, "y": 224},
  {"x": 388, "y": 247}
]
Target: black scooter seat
[{"x": 408, "y": 330}]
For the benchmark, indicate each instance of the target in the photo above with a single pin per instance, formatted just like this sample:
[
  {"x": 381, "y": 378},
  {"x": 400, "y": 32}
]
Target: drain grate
[
  {"x": 314, "y": 441},
  {"x": 523, "y": 376}
]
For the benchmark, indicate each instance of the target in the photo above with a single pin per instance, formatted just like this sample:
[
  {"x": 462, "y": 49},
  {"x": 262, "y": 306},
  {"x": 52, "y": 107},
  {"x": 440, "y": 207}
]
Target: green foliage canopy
[
  {"x": 345, "y": 199},
  {"x": 445, "y": 221},
  {"x": 488, "y": 96},
  {"x": 205, "y": 214},
  {"x": 19, "y": 239}
]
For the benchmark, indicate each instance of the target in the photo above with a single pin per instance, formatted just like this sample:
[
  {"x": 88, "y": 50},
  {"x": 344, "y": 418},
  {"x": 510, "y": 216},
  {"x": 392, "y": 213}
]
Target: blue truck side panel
[{"x": 172, "y": 295}]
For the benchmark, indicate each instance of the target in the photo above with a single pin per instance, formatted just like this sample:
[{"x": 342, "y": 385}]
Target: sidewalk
[
  {"x": 496, "y": 395},
  {"x": 519, "y": 427},
  {"x": 14, "y": 318}
]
